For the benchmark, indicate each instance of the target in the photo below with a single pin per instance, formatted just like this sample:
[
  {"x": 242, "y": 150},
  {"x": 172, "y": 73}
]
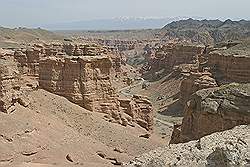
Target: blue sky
[{"x": 40, "y": 12}]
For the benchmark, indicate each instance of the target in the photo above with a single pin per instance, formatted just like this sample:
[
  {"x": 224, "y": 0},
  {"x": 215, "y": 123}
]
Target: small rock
[
  {"x": 23, "y": 102},
  {"x": 147, "y": 136},
  {"x": 124, "y": 122},
  {"x": 101, "y": 154},
  {"x": 11, "y": 109},
  {"x": 119, "y": 150},
  {"x": 115, "y": 161},
  {"x": 68, "y": 157},
  {"x": 29, "y": 153}
]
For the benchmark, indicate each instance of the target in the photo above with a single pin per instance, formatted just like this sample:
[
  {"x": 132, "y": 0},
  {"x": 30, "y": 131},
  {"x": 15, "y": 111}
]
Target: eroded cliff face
[
  {"x": 28, "y": 60},
  {"x": 83, "y": 80},
  {"x": 8, "y": 84},
  {"x": 212, "y": 110},
  {"x": 86, "y": 81},
  {"x": 193, "y": 82},
  {"x": 140, "y": 110},
  {"x": 230, "y": 68},
  {"x": 13, "y": 87},
  {"x": 168, "y": 56}
]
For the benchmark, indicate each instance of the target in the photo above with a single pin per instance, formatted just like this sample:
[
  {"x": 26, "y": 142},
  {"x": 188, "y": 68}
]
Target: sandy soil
[{"x": 51, "y": 128}]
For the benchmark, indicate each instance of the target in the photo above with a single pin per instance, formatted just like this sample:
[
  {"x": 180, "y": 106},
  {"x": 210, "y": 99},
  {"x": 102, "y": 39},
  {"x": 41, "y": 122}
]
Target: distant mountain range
[
  {"x": 206, "y": 31},
  {"x": 124, "y": 23}
]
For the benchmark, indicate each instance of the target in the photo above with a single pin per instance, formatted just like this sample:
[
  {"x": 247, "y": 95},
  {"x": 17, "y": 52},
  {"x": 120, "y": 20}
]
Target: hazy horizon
[{"x": 36, "y": 13}]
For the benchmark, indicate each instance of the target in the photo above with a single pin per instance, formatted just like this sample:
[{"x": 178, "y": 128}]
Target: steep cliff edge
[
  {"x": 86, "y": 81},
  {"x": 164, "y": 59},
  {"x": 212, "y": 110},
  {"x": 230, "y": 68},
  {"x": 83, "y": 80},
  {"x": 228, "y": 148},
  {"x": 193, "y": 82}
]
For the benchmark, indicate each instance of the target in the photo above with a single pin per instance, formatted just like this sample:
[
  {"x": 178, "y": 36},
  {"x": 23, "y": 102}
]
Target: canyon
[{"x": 95, "y": 100}]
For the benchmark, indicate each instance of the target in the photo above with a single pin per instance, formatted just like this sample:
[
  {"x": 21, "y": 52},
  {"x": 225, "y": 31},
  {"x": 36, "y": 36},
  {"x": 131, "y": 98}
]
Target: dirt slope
[{"x": 52, "y": 128}]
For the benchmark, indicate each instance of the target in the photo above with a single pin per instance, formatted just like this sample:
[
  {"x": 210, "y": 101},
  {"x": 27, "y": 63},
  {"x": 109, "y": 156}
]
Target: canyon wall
[
  {"x": 9, "y": 85},
  {"x": 83, "y": 80},
  {"x": 230, "y": 68},
  {"x": 28, "y": 60},
  {"x": 13, "y": 87},
  {"x": 193, "y": 82},
  {"x": 212, "y": 110},
  {"x": 79, "y": 72},
  {"x": 168, "y": 56},
  {"x": 140, "y": 110}
]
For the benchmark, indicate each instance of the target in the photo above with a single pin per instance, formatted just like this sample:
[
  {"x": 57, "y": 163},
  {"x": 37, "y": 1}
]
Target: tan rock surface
[
  {"x": 168, "y": 56},
  {"x": 228, "y": 148},
  {"x": 84, "y": 80},
  {"x": 193, "y": 82},
  {"x": 51, "y": 128},
  {"x": 213, "y": 110},
  {"x": 230, "y": 68}
]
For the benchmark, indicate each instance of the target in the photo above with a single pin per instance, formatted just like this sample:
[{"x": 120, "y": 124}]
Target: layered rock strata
[
  {"x": 212, "y": 110},
  {"x": 140, "y": 110},
  {"x": 193, "y": 82},
  {"x": 168, "y": 56},
  {"x": 230, "y": 68},
  {"x": 83, "y": 80}
]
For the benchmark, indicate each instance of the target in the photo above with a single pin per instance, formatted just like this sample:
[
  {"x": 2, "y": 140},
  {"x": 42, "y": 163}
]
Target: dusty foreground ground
[{"x": 52, "y": 131}]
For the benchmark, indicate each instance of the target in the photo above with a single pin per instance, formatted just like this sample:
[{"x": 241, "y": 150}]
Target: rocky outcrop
[
  {"x": 228, "y": 148},
  {"x": 12, "y": 86},
  {"x": 86, "y": 81},
  {"x": 83, "y": 80},
  {"x": 28, "y": 60},
  {"x": 230, "y": 68},
  {"x": 120, "y": 45},
  {"x": 84, "y": 49},
  {"x": 171, "y": 55},
  {"x": 9, "y": 86},
  {"x": 193, "y": 82},
  {"x": 140, "y": 110},
  {"x": 212, "y": 110}
]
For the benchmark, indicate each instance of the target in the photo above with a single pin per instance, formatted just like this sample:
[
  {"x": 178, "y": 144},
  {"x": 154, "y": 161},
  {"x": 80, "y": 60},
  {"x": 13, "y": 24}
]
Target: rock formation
[
  {"x": 13, "y": 87},
  {"x": 230, "y": 68},
  {"x": 28, "y": 60},
  {"x": 80, "y": 72},
  {"x": 212, "y": 110},
  {"x": 83, "y": 80},
  {"x": 86, "y": 81},
  {"x": 228, "y": 148},
  {"x": 140, "y": 110},
  {"x": 193, "y": 82},
  {"x": 171, "y": 55}
]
